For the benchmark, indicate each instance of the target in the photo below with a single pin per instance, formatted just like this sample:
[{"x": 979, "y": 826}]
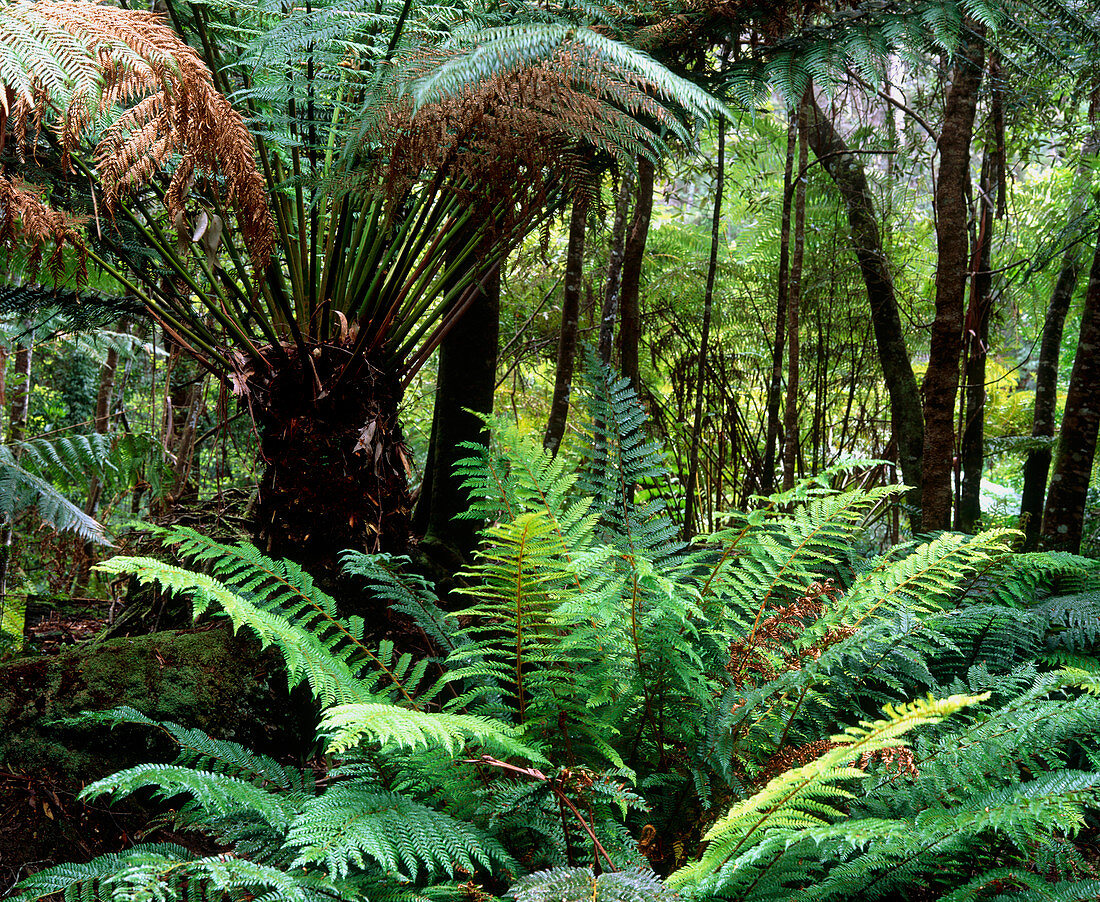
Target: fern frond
[
  {"x": 400, "y": 728},
  {"x": 347, "y": 825},
  {"x": 306, "y": 656},
  {"x": 808, "y": 796},
  {"x": 582, "y": 885}
]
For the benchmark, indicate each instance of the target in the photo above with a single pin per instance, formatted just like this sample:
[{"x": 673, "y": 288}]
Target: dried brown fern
[
  {"x": 91, "y": 60},
  {"x": 23, "y": 213}
]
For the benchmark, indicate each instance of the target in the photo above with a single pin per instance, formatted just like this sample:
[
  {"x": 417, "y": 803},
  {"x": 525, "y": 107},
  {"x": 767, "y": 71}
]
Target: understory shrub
[{"x": 772, "y": 713}]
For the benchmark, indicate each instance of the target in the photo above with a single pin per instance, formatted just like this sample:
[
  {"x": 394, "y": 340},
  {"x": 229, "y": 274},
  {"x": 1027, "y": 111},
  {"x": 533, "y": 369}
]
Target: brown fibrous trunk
[{"x": 336, "y": 462}]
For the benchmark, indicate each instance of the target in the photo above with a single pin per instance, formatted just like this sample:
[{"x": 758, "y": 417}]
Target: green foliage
[
  {"x": 29, "y": 470},
  {"x": 607, "y": 697}
]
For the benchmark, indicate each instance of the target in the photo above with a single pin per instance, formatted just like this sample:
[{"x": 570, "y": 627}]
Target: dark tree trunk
[
  {"x": 708, "y": 303},
  {"x": 567, "y": 338},
  {"x": 1063, "y": 517},
  {"x": 794, "y": 300},
  {"x": 976, "y": 344},
  {"x": 897, "y": 370},
  {"x": 102, "y": 421},
  {"x": 465, "y": 381},
  {"x": 337, "y": 466},
  {"x": 630, "y": 329},
  {"x": 1037, "y": 465},
  {"x": 775, "y": 387},
  {"x": 941, "y": 381},
  {"x": 610, "y": 310},
  {"x": 20, "y": 396}
]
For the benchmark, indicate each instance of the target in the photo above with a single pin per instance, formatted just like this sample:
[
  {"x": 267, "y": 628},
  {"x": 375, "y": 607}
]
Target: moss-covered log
[{"x": 203, "y": 678}]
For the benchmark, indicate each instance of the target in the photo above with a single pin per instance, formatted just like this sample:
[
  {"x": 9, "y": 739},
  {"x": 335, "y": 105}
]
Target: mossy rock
[{"x": 204, "y": 678}]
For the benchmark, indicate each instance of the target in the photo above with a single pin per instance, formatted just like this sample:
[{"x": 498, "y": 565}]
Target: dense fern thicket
[{"x": 778, "y": 712}]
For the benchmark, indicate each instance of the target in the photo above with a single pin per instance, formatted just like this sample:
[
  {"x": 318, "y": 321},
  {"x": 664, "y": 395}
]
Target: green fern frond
[
  {"x": 196, "y": 749},
  {"x": 582, "y": 885},
  {"x": 393, "y": 727},
  {"x": 347, "y": 825},
  {"x": 217, "y": 794},
  {"x": 809, "y": 795},
  {"x": 306, "y": 656}
]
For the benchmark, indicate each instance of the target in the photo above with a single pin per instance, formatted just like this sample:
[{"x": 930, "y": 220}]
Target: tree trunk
[
  {"x": 102, "y": 421},
  {"x": 567, "y": 338},
  {"x": 794, "y": 299},
  {"x": 337, "y": 465},
  {"x": 630, "y": 329},
  {"x": 1063, "y": 517},
  {"x": 465, "y": 382},
  {"x": 976, "y": 344},
  {"x": 941, "y": 380},
  {"x": 708, "y": 303},
  {"x": 20, "y": 395},
  {"x": 610, "y": 310},
  {"x": 775, "y": 387},
  {"x": 897, "y": 370},
  {"x": 1037, "y": 465}
]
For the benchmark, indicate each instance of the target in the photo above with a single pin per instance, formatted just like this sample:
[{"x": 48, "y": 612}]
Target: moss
[{"x": 202, "y": 678}]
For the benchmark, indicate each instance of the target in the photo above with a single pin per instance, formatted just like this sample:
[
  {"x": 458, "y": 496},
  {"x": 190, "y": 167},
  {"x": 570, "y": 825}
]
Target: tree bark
[
  {"x": 794, "y": 299},
  {"x": 20, "y": 395},
  {"x": 941, "y": 380},
  {"x": 708, "y": 304},
  {"x": 630, "y": 329},
  {"x": 775, "y": 387},
  {"x": 567, "y": 338},
  {"x": 976, "y": 336},
  {"x": 1037, "y": 465},
  {"x": 1063, "y": 517},
  {"x": 897, "y": 370},
  {"x": 610, "y": 310}
]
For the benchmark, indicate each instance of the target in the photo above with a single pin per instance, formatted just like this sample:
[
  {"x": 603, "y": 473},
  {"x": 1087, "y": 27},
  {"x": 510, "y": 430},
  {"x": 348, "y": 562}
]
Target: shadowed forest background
[{"x": 547, "y": 451}]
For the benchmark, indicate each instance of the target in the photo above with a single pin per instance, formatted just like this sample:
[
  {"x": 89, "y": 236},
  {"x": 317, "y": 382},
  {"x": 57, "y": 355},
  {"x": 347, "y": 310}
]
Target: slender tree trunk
[
  {"x": 567, "y": 339},
  {"x": 20, "y": 395},
  {"x": 976, "y": 344},
  {"x": 790, "y": 413},
  {"x": 775, "y": 387},
  {"x": 630, "y": 329},
  {"x": 897, "y": 370},
  {"x": 1063, "y": 517},
  {"x": 941, "y": 381},
  {"x": 102, "y": 423},
  {"x": 610, "y": 310},
  {"x": 708, "y": 303},
  {"x": 1037, "y": 465}
]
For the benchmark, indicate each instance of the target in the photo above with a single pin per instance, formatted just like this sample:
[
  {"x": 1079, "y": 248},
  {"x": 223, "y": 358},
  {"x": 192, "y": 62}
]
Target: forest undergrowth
[{"x": 775, "y": 712}]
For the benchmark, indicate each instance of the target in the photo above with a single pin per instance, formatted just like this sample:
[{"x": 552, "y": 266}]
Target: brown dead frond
[
  {"x": 773, "y": 646},
  {"x": 23, "y": 213},
  {"x": 525, "y": 125},
  {"x": 103, "y": 58}
]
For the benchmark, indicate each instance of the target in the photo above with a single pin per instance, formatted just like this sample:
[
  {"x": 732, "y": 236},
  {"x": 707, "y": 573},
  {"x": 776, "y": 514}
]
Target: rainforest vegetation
[{"x": 550, "y": 451}]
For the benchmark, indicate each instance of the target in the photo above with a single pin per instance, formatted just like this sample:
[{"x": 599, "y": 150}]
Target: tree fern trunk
[
  {"x": 610, "y": 310},
  {"x": 897, "y": 370},
  {"x": 336, "y": 459}
]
